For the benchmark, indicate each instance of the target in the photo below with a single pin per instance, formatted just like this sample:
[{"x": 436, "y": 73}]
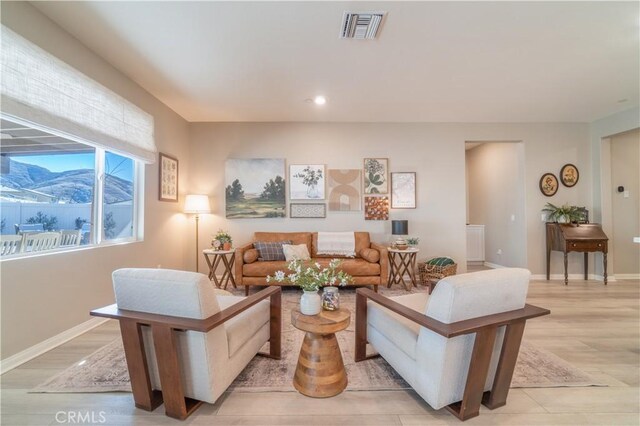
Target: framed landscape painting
[
  {"x": 306, "y": 181},
  {"x": 403, "y": 190},
  {"x": 255, "y": 188},
  {"x": 168, "y": 178},
  {"x": 376, "y": 175}
]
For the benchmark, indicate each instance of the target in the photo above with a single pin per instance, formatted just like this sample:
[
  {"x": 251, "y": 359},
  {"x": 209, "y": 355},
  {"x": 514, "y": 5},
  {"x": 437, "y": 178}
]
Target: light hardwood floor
[{"x": 594, "y": 327}]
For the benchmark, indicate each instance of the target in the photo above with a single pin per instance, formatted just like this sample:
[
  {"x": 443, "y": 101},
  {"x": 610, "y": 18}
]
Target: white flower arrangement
[{"x": 313, "y": 276}]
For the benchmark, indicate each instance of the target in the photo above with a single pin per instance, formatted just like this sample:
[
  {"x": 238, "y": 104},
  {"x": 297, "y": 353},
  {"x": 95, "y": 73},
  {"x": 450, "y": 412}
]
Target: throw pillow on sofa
[
  {"x": 295, "y": 252},
  {"x": 270, "y": 251}
]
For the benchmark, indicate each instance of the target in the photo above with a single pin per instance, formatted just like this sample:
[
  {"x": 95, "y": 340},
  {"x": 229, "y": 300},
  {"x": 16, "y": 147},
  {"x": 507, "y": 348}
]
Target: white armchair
[
  {"x": 456, "y": 347},
  {"x": 183, "y": 344}
]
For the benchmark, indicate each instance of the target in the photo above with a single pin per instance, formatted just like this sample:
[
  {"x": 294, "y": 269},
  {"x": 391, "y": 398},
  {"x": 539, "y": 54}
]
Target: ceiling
[{"x": 432, "y": 61}]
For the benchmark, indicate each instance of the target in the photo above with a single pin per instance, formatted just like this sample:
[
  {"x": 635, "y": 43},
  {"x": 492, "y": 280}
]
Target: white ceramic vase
[{"x": 310, "y": 303}]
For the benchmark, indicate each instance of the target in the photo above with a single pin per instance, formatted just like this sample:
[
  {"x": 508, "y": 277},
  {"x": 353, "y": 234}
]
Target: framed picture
[
  {"x": 403, "y": 190},
  {"x": 345, "y": 186},
  {"x": 308, "y": 211},
  {"x": 255, "y": 188},
  {"x": 548, "y": 184},
  {"x": 306, "y": 181},
  {"x": 168, "y": 178},
  {"x": 569, "y": 175},
  {"x": 376, "y": 208},
  {"x": 376, "y": 175}
]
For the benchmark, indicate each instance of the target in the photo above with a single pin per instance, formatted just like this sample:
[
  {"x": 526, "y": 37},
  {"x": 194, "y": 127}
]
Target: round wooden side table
[
  {"x": 402, "y": 262},
  {"x": 225, "y": 257},
  {"x": 320, "y": 371}
]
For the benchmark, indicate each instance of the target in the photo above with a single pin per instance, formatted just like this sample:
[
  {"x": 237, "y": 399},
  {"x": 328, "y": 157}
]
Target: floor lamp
[{"x": 197, "y": 204}]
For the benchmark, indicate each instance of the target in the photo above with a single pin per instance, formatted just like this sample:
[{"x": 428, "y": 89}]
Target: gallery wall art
[
  {"x": 403, "y": 190},
  {"x": 168, "y": 178},
  {"x": 376, "y": 208},
  {"x": 548, "y": 184},
  {"x": 345, "y": 189},
  {"x": 306, "y": 181},
  {"x": 255, "y": 188},
  {"x": 376, "y": 175},
  {"x": 308, "y": 210},
  {"x": 569, "y": 175}
]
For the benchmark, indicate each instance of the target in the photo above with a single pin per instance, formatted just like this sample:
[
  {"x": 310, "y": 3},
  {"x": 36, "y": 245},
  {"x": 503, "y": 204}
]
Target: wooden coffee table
[{"x": 320, "y": 371}]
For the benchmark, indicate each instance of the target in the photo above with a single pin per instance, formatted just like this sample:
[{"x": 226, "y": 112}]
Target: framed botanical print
[
  {"x": 306, "y": 182},
  {"x": 569, "y": 175},
  {"x": 168, "y": 178},
  {"x": 403, "y": 190},
  {"x": 376, "y": 176},
  {"x": 548, "y": 184}
]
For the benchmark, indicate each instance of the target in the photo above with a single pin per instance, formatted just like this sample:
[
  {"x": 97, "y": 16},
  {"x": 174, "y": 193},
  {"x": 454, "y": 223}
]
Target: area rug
[{"x": 105, "y": 370}]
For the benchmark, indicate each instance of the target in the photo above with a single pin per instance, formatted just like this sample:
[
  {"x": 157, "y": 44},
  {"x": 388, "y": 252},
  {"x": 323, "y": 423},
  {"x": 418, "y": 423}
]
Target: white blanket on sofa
[{"x": 337, "y": 244}]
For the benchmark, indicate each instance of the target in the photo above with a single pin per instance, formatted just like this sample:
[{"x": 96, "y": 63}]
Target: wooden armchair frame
[
  {"x": 164, "y": 328},
  {"x": 485, "y": 329}
]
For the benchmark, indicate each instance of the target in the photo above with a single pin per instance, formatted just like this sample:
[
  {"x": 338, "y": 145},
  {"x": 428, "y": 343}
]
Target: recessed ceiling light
[{"x": 319, "y": 100}]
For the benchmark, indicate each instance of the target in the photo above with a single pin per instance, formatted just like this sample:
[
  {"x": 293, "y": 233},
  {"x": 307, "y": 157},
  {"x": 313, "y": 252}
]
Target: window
[{"x": 57, "y": 193}]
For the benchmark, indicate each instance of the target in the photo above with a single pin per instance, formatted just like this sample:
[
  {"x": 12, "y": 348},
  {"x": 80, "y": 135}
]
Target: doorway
[
  {"x": 621, "y": 202},
  {"x": 496, "y": 223}
]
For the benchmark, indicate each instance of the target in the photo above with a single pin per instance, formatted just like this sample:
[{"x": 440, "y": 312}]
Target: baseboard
[
  {"x": 628, "y": 276},
  {"x": 36, "y": 350},
  {"x": 579, "y": 277},
  {"x": 493, "y": 265}
]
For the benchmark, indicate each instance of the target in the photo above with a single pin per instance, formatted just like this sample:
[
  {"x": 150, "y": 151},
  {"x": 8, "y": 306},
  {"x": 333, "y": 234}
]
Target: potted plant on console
[
  {"x": 310, "y": 277},
  {"x": 564, "y": 213}
]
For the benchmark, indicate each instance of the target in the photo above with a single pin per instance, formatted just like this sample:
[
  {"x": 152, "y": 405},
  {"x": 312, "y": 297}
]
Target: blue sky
[{"x": 64, "y": 162}]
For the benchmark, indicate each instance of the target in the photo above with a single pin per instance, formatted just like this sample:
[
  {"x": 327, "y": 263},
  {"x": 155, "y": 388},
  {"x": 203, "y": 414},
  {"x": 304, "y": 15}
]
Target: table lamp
[
  {"x": 400, "y": 227},
  {"x": 197, "y": 204}
]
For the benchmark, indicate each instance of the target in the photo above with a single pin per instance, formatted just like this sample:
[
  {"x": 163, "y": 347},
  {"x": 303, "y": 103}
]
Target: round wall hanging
[
  {"x": 549, "y": 184},
  {"x": 569, "y": 175}
]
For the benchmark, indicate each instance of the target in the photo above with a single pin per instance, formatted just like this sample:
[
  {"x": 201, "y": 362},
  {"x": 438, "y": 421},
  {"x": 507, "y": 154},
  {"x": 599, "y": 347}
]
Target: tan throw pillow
[
  {"x": 295, "y": 252},
  {"x": 250, "y": 256},
  {"x": 370, "y": 255}
]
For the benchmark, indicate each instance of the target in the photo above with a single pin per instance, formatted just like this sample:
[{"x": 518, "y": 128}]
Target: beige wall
[
  {"x": 45, "y": 295},
  {"x": 625, "y": 171},
  {"x": 434, "y": 151},
  {"x": 496, "y": 194}
]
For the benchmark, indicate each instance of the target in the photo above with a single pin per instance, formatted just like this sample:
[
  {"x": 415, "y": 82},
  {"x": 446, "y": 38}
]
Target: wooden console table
[{"x": 584, "y": 238}]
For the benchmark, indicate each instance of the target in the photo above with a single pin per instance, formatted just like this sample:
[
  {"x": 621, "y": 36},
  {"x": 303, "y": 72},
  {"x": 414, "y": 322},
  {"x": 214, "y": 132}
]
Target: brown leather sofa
[{"x": 370, "y": 266}]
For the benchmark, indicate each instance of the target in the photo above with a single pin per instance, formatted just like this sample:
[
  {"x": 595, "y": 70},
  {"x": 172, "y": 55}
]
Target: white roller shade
[{"x": 40, "y": 88}]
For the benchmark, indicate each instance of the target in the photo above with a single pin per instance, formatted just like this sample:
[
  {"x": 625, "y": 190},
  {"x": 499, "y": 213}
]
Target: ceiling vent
[{"x": 361, "y": 25}]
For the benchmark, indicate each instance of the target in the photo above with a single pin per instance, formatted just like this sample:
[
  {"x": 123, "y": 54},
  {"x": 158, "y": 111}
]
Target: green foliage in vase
[
  {"x": 311, "y": 276},
  {"x": 223, "y": 236},
  {"x": 566, "y": 212}
]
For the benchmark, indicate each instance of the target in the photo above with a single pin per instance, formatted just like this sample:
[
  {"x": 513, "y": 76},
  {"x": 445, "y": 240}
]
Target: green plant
[
  {"x": 109, "y": 225},
  {"x": 566, "y": 212},
  {"x": 312, "y": 276},
  {"x": 80, "y": 221},
  {"x": 48, "y": 223},
  {"x": 223, "y": 237},
  {"x": 413, "y": 241}
]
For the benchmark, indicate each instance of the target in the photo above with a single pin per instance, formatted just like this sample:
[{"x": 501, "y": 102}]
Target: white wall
[
  {"x": 45, "y": 295},
  {"x": 599, "y": 132},
  {"x": 625, "y": 171},
  {"x": 434, "y": 151},
  {"x": 496, "y": 194}
]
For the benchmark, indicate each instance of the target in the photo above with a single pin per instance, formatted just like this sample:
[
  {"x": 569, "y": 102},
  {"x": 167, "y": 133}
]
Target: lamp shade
[
  {"x": 399, "y": 227},
  {"x": 197, "y": 204}
]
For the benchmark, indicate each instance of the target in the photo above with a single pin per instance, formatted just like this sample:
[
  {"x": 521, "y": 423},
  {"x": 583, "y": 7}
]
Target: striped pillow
[
  {"x": 270, "y": 250},
  {"x": 440, "y": 261}
]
